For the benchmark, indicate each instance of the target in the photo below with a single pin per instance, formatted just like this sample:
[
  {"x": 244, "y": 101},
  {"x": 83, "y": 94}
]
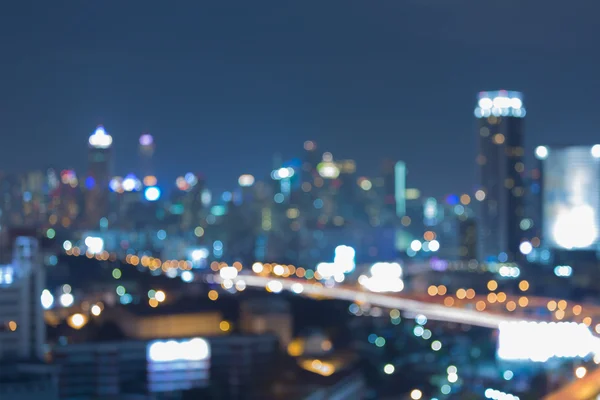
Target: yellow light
[
  {"x": 560, "y": 314},
  {"x": 492, "y": 297},
  {"x": 587, "y": 321},
  {"x": 432, "y": 290},
  {"x": 577, "y": 309},
  {"x": 461, "y": 293},
  {"x": 580, "y": 372},
  {"x": 213, "y": 295},
  {"x": 153, "y": 303},
  {"x": 492, "y": 285},
  {"x": 551, "y": 305},
  {"x": 523, "y": 286},
  {"x": 442, "y": 290},
  {"x": 295, "y": 348},
  {"x": 224, "y": 326},
  {"x": 12, "y": 325},
  {"x": 470, "y": 294},
  {"x": 77, "y": 321},
  {"x": 160, "y": 296}
]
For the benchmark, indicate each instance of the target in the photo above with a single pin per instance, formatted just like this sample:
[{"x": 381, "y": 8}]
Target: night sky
[{"x": 222, "y": 85}]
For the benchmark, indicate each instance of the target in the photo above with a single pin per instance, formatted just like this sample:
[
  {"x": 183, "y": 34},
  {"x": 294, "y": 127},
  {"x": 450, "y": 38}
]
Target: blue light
[
  {"x": 226, "y": 196},
  {"x": 279, "y": 198},
  {"x": 502, "y": 257},
  {"x": 90, "y": 182},
  {"x": 218, "y": 245},
  {"x": 161, "y": 235},
  {"x": 152, "y": 193},
  {"x": 452, "y": 199},
  {"x": 318, "y": 203},
  {"x": 27, "y": 197},
  {"x": 508, "y": 375}
]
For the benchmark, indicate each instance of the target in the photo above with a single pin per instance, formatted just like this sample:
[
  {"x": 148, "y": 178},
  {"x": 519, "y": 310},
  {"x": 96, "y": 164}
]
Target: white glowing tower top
[
  {"x": 100, "y": 139},
  {"x": 500, "y": 103}
]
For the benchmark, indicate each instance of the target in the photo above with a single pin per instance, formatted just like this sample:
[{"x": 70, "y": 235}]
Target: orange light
[
  {"x": 153, "y": 303},
  {"x": 442, "y": 290},
  {"x": 577, "y": 309},
  {"x": 448, "y": 301},
  {"x": 12, "y": 325},
  {"x": 461, "y": 293},
  {"x": 492, "y": 297},
  {"x": 492, "y": 285},
  {"x": 587, "y": 321},
  {"x": 470, "y": 294},
  {"x": 501, "y": 297},
  {"x": 551, "y": 305},
  {"x": 560, "y": 314},
  {"x": 523, "y": 286},
  {"x": 523, "y": 301},
  {"x": 429, "y": 235},
  {"x": 480, "y": 305},
  {"x": 213, "y": 295},
  {"x": 562, "y": 305},
  {"x": 432, "y": 290},
  {"x": 511, "y": 306}
]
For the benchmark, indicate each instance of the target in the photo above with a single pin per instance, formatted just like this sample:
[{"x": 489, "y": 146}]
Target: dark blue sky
[{"x": 222, "y": 85}]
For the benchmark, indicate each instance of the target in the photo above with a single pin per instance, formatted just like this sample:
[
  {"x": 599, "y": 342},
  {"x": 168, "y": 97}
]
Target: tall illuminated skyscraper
[
  {"x": 146, "y": 150},
  {"x": 500, "y": 162},
  {"x": 570, "y": 197},
  {"x": 97, "y": 204}
]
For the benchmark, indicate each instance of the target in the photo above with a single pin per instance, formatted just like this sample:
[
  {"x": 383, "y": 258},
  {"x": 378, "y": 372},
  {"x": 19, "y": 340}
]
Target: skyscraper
[
  {"x": 500, "y": 161},
  {"x": 98, "y": 177},
  {"x": 22, "y": 327},
  {"x": 570, "y": 197}
]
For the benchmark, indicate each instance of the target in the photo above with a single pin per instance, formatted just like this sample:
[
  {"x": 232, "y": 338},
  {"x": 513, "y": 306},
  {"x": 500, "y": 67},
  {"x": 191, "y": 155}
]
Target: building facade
[{"x": 500, "y": 163}]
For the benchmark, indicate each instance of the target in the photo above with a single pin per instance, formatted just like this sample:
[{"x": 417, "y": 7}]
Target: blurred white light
[
  {"x": 508, "y": 375},
  {"x": 229, "y": 273},
  {"x": 563, "y": 271},
  {"x": 187, "y": 276},
  {"x": 451, "y": 370},
  {"x": 452, "y": 378},
  {"x": 501, "y": 102},
  {"x": 66, "y": 299},
  {"x": 389, "y": 369},
  {"x": 486, "y": 103},
  {"x": 188, "y": 350},
  {"x": 498, "y": 395},
  {"x": 434, "y": 245},
  {"x": 415, "y": 245},
  {"x": 240, "y": 285},
  {"x": 278, "y": 270},
  {"x": 515, "y": 102},
  {"x": 580, "y": 372},
  {"x": 575, "y": 228},
  {"x": 100, "y": 139},
  {"x": 67, "y": 245},
  {"x": 525, "y": 247},
  {"x": 275, "y": 286},
  {"x": 246, "y": 180},
  {"x": 96, "y": 310},
  {"x": 541, "y": 152},
  {"x": 297, "y": 288},
  {"x": 94, "y": 245},
  {"x": 416, "y": 394},
  {"x": 152, "y": 193},
  {"x": 436, "y": 345},
  {"x": 47, "y": 299},
  {"x": 596, "y": 151},
  {"x": 257, "y": 267},
  {"x": 539, "y": 342}
]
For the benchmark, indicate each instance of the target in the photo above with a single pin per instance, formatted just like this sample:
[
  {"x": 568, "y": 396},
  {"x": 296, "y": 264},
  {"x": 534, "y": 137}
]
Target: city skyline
[{"x": 192, "y": 94}]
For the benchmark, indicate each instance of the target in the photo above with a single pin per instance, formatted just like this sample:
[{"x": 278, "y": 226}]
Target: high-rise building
[
  {"x": 97, "y": 203},
  {"x": 570, "y": 197},
  {"x": 22, "y": 279},
  {"x": 500, "y": 161}
]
